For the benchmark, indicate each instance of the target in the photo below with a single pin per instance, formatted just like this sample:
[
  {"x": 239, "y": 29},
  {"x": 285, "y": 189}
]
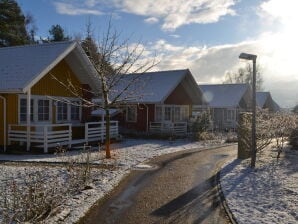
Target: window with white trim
[
  {"x": 231, "y": 115},
  {"x": 43, "y": 111},
  {"x": 173, "y": 113},
  {"x": 131, "y": 114},
  {"x": 168, "y": 113},
  {"x": 23, "y": 110},
  {"x": 184, "y": 113},
  {"x": 177, "y": 113},
  {"x": 74, "y": 111},
  {"x": 62, "y": 111}
]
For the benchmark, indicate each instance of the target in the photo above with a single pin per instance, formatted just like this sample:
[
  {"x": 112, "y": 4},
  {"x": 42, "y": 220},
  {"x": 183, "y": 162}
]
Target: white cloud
[
  {"x": 175, "y": 13},
  {"x": 172, "y": 13},
  {"x": 70, "y": 9},
  {"x": 151, "y": 20},
  {"x": 209, "y": 64},
  {"x": 175, "y": 36}
]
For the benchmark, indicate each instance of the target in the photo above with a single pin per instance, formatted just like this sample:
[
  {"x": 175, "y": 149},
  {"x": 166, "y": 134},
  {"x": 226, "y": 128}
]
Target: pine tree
[
  {"x": 12, "y": 24},
  {"x": 57, "y": 34}
]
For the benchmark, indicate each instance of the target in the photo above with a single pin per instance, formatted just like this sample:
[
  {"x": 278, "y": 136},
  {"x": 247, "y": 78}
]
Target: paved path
[{"x": 182, "y": 189}]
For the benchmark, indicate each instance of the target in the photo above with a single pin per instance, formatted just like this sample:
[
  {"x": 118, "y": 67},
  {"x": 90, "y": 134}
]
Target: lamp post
[{"x": 252, "y": 58}]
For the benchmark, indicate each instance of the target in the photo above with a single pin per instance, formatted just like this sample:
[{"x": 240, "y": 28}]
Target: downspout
[{"x": 4, "y": 122}]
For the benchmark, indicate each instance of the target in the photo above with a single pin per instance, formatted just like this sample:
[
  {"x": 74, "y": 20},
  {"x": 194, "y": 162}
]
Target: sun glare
[{"x": 283, "y": 44}]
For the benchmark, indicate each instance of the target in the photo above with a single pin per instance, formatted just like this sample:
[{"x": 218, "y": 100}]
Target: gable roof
[
  {"x": 155, "y": 87},
  {"x": 265, "y": 97},
  {"x": 261, "y": 98},
  {"x": 224, "y": 95},
  {"x": 21, "y": 67}
]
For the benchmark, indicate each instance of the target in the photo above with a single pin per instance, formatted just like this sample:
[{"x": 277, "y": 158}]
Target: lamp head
[{"x": 248, "y": 56}]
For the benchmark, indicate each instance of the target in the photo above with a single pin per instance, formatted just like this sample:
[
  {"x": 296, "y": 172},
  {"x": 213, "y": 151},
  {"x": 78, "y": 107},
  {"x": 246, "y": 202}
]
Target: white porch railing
[
  {"x": 47, "y": 135},
  {"x": 51, "y": 135},
  {"x": 173, "y": 128},
  {"x": 95, "y": 131}
]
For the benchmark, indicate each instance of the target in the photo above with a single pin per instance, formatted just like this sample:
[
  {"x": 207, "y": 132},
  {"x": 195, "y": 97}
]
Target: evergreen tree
[
  {"x": 57, "y": 34},
  {"x": 89, "y": 45},
  {"x": 12, "y": 24}
]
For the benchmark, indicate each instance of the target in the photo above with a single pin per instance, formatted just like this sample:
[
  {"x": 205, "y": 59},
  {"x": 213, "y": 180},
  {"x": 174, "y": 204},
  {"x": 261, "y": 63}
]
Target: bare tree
[
  {"x": 244, "y": 75},
  {"x": 119, "y": 67}
]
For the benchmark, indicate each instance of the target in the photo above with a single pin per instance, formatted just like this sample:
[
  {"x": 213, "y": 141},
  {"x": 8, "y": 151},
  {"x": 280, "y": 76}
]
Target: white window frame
[
  {"x": 31, "y": 112},
  {"x": 135, "y": 115},
  {"x": 49, "y": 111},
  {"x": 77, "y": 105},
  {"x": 60, "y": 104},
  {"x": 72, "y": 103},
  {"x": 36, "y": 98},
  {"x": 183, "y": 113},
  {"x": 231, "y": 114}
]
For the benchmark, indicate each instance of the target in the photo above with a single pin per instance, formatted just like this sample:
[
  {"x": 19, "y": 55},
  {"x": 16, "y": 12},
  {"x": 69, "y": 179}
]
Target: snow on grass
[
  {"x": 268, "y": 194},
  {"x": 125, "y": 156}
]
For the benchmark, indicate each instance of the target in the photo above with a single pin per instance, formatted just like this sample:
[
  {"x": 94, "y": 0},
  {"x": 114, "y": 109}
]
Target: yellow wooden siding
[
  {"x": 46, "y": 86},
  {"x": 51, "y": 87},
  {"x": 11, "y": 113}
]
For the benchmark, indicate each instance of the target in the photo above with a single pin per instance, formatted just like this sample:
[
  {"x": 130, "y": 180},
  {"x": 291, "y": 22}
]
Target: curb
[{"x": 223, "y": 201}]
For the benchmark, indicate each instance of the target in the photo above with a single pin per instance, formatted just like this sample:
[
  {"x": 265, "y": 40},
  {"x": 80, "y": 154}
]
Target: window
[
  {"x": 158, "y": 113},
  {"x": 177, "y": 113},
  {"x": 23, "y": 110},
  {"x": 43, "y": 110},
  {"x": 61, "y": 111},
  {"x": 230, "y": 115},
  {"x": 131, "y": 114},
  {"x": 168, "y": 113},
  {"x": 74, "y": 111},
  {"x": 184, "y": 113},
  {"x": 173, "y": 113}
]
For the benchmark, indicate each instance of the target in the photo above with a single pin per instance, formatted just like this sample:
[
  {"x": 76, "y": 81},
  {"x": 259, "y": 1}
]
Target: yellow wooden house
[{"x": 36, "y": 109}]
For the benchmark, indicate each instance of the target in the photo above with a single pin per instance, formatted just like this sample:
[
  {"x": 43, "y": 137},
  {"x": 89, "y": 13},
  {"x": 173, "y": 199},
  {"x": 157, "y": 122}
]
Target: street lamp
[{"x": 252, "y": 58}]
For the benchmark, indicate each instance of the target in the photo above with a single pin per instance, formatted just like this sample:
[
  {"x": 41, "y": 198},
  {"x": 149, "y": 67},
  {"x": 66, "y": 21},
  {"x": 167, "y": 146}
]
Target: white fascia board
[
  {"x": 51, "y": 66},
  {"x": 88, "y": 66}
]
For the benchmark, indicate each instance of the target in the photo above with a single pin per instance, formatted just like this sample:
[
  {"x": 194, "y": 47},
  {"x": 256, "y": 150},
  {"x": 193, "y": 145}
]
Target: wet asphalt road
[{"x": 182, "y": 189}]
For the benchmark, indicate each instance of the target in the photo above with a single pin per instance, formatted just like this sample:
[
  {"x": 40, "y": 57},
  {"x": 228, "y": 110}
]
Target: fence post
[
  {"x": 9, "y": 130},
  {"x": 102, "y": 130},
  {"x": 45, "y": 139},
  {"x": 117, "y": 129},
  {"x": 69, "y": 135}
]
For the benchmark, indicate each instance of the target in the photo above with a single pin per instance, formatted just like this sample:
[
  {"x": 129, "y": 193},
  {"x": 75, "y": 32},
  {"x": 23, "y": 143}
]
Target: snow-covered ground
[
  {"x": 125, "y": 156},
  {"x": 268, "y": 194}
]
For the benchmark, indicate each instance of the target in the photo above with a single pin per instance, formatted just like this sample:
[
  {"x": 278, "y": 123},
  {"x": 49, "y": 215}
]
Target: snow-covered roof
[
  {"x": 22, "y": 66},
  {"x": 261, "y": 98},
  {"x": 155, "y": 87},
  {"x": 224, "y": 95}
]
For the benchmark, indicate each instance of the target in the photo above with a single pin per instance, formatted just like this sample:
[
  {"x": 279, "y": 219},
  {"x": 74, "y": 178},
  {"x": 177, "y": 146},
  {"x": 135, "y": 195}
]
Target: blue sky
[{"x": 205, "y": 36}]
